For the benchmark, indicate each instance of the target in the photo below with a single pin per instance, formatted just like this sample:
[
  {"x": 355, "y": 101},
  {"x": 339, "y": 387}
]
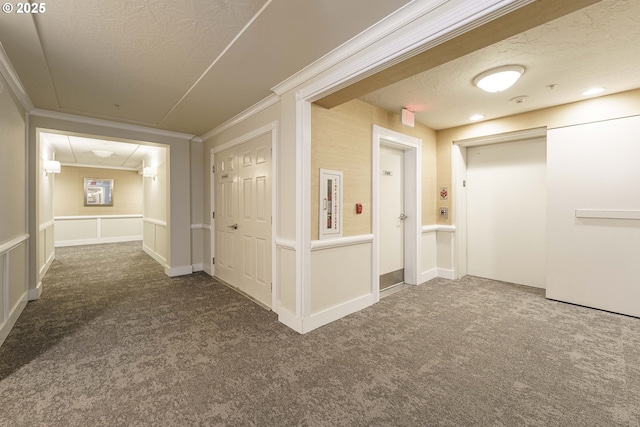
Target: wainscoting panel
[
  {"x": 429, "y": 261},
  {"x": 13, "y": 283},
  {"x": 154, "y": 240},
  {"x": 341, "y": 279},
  {"x": 91, "y": 230},
  {"x": 286, "y": 278},
  {"x": 446, "y": 253}
]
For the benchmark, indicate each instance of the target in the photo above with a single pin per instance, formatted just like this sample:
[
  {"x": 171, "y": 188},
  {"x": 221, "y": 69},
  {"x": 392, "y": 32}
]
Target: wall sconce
[
  {"x": 149, "y": 172},
  {"x": 51, "y": 166}
]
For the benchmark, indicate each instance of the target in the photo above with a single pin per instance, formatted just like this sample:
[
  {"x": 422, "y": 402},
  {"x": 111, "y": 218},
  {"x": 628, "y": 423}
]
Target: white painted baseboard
[
  {"x": 182, "y": 270},
  {"x": 425, "y": 276},
  {"x": 34, "y": 294},
  {"x": 289, "y": 319},
  {"x": 161, "y": 260},
  {"x": 332, "y": 314},
  {"x": 5, "y": 327},
  {"x": 63, "y": 243},
  {"x": 446, "y": 274},
  {"x": 197, "y": 267},
  {"x": 45, "y": 267}
]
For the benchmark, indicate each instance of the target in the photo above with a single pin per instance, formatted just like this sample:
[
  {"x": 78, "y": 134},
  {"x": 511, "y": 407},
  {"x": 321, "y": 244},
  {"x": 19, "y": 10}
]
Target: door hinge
[
  {"x": 213, "y": 260},
  {"x": 213, "y": 169},
  {"x": 213, "y": 215},
  {"x": 464, "y": 182}
]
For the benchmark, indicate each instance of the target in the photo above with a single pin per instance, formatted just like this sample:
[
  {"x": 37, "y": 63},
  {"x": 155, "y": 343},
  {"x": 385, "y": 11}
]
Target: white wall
[
  {"x": 13, "y": 210},
  {"x": 594, "y": 261}
]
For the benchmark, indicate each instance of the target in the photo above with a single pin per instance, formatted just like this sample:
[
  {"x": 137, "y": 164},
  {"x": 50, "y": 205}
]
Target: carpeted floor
[{"x": 115, "y": 342}]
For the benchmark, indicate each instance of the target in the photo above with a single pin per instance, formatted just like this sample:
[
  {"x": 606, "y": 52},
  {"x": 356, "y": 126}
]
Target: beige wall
[
  {"x": 623, "y": 104},
  {"x": 69, "y": 192},
  {"x": 13, "y": 210},
  {"x": 12, "y": 167},
  {"x": 341, "y": 140}
]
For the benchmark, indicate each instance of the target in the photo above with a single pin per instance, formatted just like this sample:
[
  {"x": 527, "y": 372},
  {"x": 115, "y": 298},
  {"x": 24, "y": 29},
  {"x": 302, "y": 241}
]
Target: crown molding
[
  {"x": 401, "y": 17},
  {"x": 251, "y": 111},
  {"x": 12, "y": 79},
  {"x": 416, "y": 28},
  {"x": 110, "y": 124}
]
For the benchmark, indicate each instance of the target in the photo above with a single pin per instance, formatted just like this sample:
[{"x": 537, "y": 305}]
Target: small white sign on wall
[{"x": 330, "y": 204}]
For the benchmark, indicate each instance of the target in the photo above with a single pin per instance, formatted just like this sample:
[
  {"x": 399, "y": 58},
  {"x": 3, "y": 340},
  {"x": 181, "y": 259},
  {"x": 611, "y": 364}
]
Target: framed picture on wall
[{"x": 98, "y": 192}]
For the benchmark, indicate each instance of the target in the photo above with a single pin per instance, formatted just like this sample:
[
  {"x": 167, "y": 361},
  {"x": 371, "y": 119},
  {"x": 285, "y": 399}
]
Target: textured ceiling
[
  {"x": 141, "y": 55},
  {"x": 181, "y": 65},
  {"x": 596, "y": 46}
]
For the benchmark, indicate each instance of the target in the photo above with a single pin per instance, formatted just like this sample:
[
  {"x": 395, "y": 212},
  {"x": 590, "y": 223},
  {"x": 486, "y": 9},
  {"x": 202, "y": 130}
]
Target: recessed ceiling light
[
  {"x": 498, "y": 79},
  {"x": 593, "y": 91},
  {"x": 476, "y": 117},
  {"x": 102, "y": 153}
]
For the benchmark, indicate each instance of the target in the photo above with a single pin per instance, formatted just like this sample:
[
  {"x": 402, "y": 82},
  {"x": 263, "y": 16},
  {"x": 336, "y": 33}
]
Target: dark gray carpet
[{"x": 113, "y": 341}]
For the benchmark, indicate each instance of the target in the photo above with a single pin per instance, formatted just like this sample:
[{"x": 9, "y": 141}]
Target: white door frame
[
  {"x": 459, "y": 167},
  {"x": 412, "y": 148},
  {"x": 269, "y": 128}
]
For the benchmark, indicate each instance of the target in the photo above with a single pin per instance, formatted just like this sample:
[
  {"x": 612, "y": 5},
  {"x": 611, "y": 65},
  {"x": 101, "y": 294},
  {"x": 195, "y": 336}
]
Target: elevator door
[{"x": 506, "y": 212}]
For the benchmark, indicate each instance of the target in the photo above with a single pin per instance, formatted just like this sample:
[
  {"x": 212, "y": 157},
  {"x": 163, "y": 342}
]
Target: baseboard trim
[
  {"x": 197, "y": 267},
  {"x": 183, "y": 270},
  {"x": 332, "y": 314},
  {"x": 425, "y": 276},
  {"x": 45, "y": 267},
  {"x": 64, "y": 243},
  {"x": 6, "y": 327},
  {"x": 446, "y": 274},
  {"x": 160, "y": 260},
  {"x": 34, "y": 294},
  {"x": 289, "y": 319}
]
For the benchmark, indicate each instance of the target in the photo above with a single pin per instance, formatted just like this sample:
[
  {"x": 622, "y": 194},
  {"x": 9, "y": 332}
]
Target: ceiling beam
[{"x": 522, "y": 19}]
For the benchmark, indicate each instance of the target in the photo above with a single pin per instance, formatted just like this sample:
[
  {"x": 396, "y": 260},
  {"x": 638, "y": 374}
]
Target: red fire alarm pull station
[{"x": 358, "y": 208}]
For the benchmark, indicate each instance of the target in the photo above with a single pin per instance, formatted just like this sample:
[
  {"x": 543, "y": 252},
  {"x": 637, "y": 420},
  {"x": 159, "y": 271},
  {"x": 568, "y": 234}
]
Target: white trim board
[
  {"x": 607, "y": 214},
  {"x": 413, "y": 29},
  {"x": 98, "y": 241},
  {"x": 10, "y": 244}
]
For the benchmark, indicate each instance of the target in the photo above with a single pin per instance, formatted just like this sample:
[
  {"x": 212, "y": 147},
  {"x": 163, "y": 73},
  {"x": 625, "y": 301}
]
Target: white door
[
  {"x": 243, "y": 231},
  {"x": 392, "y": 212},
  {"x": 506, "y": 212}
]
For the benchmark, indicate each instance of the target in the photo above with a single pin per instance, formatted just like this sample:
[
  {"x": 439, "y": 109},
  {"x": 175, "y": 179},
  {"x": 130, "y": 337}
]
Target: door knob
[
  {"x": 234, "y": 226},
  {"x": 402, "y": 217}
]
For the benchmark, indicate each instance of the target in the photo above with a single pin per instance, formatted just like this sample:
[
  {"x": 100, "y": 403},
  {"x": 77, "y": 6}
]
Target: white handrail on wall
[{"x": 606, "y": 214}]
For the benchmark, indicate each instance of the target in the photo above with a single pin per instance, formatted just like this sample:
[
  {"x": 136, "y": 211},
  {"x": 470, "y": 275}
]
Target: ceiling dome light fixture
[
  {"x": 498, "y": 79},
  {"x": 476, "y": 117},
  {"x": 102, "y": 153},
  {"x": 593, "y": 91}
]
